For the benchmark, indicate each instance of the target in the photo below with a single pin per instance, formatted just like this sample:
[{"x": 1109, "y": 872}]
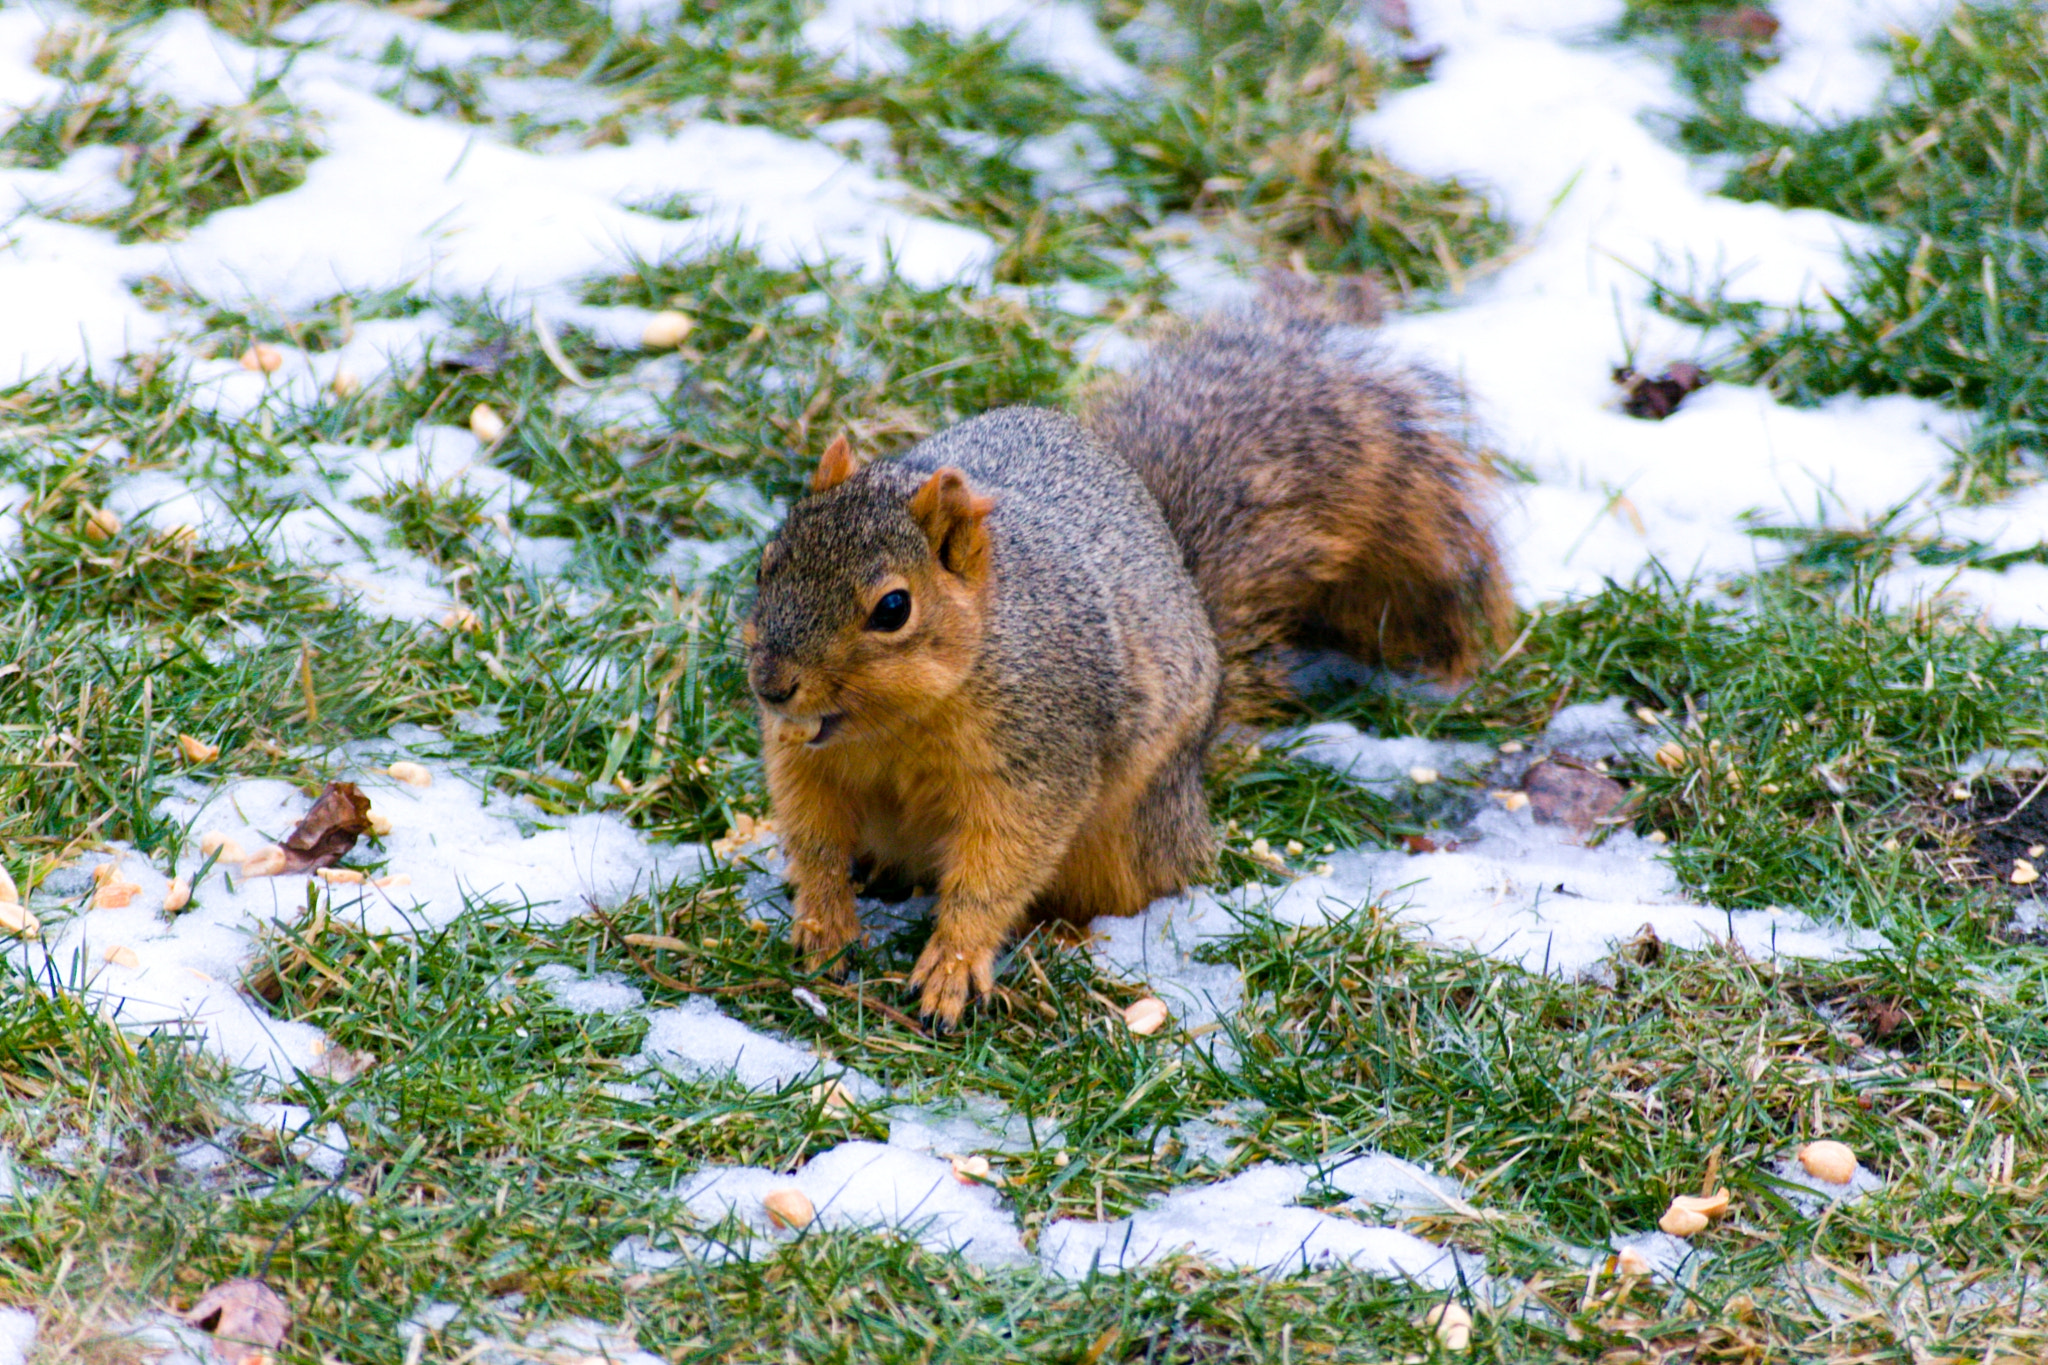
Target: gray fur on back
[{"x": 1102, "y": 577}]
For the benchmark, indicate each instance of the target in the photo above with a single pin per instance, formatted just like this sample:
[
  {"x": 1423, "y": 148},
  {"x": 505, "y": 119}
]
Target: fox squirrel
[{"x": 996, "y": 662}]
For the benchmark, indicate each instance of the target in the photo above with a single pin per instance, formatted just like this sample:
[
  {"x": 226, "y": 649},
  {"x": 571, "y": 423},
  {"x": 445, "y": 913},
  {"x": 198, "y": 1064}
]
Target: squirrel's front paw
[
  {"x": 947, "y": 973},
  {"x": 824, "y": 925}
]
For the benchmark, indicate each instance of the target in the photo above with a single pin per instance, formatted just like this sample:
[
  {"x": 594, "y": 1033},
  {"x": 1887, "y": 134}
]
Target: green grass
[
  {"x": 180, "y": 164},
  {"x": 1948, "y": 305},
  {"x": 492, "y": 1153}
]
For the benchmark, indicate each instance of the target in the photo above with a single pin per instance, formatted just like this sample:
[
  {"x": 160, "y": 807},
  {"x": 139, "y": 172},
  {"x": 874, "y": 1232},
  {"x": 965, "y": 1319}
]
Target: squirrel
[{"x": 997, "y": 661}]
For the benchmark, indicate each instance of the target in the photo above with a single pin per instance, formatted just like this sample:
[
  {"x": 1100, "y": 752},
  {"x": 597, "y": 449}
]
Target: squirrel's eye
[{"x": 892, "y": 612}]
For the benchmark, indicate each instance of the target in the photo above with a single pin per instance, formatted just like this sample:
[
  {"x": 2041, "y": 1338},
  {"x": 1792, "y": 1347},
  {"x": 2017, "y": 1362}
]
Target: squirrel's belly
[
  {"x": 912, "y": 850},
  {"x": 903, "y": 834}
]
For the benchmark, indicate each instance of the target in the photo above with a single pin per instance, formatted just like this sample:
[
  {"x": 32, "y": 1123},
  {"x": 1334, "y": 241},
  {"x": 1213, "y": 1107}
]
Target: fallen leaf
[
  {"x": 197, "y": 750},
  {"x": 246, "y": 1319},
  {"x": 1745, "y": 24},
  {"x": 1563, "y": 793},
  {"x": 1646, "y": 948},
  {"x": 1419, "y": 843},
  {"x": 177, "y": 896},
  {"x": 1885, "y": 1017},
  {"x": 339, "y": 818},
  {"x": 1656, "y": 399}
]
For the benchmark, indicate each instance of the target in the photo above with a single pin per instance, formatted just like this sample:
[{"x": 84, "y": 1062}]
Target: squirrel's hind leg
[{"x": 1130, "y": 852}]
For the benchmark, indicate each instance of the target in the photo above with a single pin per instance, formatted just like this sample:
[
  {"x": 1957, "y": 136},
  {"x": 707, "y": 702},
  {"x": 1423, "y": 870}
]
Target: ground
[{"x": 409, "y": 385}]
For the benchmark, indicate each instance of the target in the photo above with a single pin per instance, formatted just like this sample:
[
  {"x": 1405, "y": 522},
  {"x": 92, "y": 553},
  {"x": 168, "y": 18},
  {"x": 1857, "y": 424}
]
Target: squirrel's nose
[{"x": 773, "y": 693}]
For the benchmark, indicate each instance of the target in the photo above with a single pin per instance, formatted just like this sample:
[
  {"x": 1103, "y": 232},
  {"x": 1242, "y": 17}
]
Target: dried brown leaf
[
  {"x": 339, "y": 818},
  {"x": 1656, "y": 399},
  {"x": 1563, "y": 793},
  {"x": 246, "y": 1318}
]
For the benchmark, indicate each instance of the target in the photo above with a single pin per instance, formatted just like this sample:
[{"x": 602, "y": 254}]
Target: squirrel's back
[
  {"x": 1089, "y": 591},
  {"x": 1318, "y": 494}
]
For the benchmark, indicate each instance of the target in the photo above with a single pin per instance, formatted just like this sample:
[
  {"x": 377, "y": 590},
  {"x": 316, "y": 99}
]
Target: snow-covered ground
[{"x": 1522, "y": 101}]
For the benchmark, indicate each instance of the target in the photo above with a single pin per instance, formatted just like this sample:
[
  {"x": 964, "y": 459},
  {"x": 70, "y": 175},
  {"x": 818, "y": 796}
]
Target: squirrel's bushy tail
[{"x": 1319, "y": 494}]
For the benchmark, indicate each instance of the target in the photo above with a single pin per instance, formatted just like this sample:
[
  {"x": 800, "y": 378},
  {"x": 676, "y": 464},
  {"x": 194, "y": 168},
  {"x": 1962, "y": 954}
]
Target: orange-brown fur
[
  {"x": 1319, "y": 494},
  {"x": 1030, "y": 737}
]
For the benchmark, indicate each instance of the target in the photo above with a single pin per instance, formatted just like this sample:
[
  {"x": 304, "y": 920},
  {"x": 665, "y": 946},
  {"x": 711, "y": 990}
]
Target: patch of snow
[
  {"x": 604, "y": 993},
  {"x": 1527, "y": 893},
  {"x": 1074, "y": 166},
  {"x": 695, "y": 561},
  {"x": 1159, "y": 949},
  {"x": 1251, "y": 1221},
  {"x": 399, "y": 200},
  {"x": 200, "y": 1157},
  {"x": 1521, "y": 104},
  {"x": 375, "y": 34},
  {"x": 699, "y": 1041},
  {"x": 2003, "y": 760},
  {"x": 949, "y": 1128},
  {"x": 637, "y": 1255},
  {"x": 572, "y": 1339},
  {"x": 458, "y": 845},
  {"x": 1831, "y": 61},
  {"x": 1207, "y": 1140},
  {"x": 864, "y": 1185},
  {"x": 1593, "y": 730},
  {"x": 1055, "y": 34},
  {"x": 1376, "y": 1181},
  {"x": 17, "y": 1335},
  {"x": 1370, "y": 761},
  {"x": 404, "y": 201}
]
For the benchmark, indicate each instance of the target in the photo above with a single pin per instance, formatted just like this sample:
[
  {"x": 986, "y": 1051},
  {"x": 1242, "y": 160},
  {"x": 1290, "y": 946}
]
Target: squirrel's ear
[
  {"x": 950, "y": 513},
  {"x": 836, "y": 467}
]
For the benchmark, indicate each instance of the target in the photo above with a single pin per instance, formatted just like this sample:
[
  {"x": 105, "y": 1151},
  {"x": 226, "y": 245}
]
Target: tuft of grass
[
  {"x": 1254, "y": 125},
  {"x": 1949, "y": 303},
  {"x": 181, "y": 165},
  {"x": 1576, "y": 1110},
  {"x": 1814, "y": 733}
]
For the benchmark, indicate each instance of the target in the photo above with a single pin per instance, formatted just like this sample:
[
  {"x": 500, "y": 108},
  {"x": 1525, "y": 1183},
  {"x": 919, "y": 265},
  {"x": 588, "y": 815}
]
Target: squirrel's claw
[
  {"x": 947, "y": 974},
  {"x": 824, "y": 927}
]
